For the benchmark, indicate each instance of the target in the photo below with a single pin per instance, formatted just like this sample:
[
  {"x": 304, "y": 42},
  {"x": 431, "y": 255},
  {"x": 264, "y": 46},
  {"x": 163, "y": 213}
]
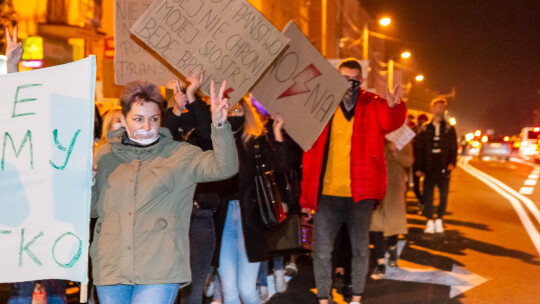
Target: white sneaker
[
  {"x": 291, "y": 269},
  {"x": 279, "y": 280},
  {"x": 263, "y": 293},
  {"x": 430, "y": 228},
  {"x": 439, "y": 226}
]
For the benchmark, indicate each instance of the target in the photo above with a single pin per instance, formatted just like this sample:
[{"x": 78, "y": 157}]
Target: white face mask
[{"x": 143, "y": 137}]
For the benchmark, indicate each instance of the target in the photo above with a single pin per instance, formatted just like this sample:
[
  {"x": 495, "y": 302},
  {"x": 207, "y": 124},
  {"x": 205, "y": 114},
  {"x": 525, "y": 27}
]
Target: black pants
[
  {"x": 441, "y": 179},
  {"x": 377, "y": 239},
  {"x": 202, "y": 242}
]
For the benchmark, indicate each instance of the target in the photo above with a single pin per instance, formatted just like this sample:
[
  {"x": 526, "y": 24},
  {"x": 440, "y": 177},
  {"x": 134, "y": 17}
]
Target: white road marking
[
  {"x": 526, "y": 190},
  {"x": 512, "y": 196},
  {"x": 533, "y": 176},
  {"x": 459, "y": 279},
  {"x": 530, "y": 182}
]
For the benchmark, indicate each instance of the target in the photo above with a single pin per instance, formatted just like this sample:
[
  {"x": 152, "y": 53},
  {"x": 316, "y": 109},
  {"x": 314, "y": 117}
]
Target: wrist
[{"x": 219, "y": 124}]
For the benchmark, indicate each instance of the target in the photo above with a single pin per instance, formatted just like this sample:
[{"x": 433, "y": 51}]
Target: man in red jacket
[{"x": 344, "y": 175}]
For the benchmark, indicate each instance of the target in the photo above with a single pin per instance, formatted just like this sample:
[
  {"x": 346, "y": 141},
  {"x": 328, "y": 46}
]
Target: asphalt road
[{"x": 485, "y": 255}]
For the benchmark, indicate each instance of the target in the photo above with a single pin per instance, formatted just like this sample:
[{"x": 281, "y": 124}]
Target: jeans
[
  {"x": 238, "y": 275},
  {"x": 126, "y": 294},
  {"x": 331, "y": 213},
  {"x": 263, "y": 270},
  {"x": 202, "y": 241},
  {"x": 22, "y": 292},
  {"x": 441, "y": 179}
]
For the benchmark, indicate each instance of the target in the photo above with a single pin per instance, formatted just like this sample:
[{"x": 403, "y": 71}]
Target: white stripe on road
[
  {"x": 530, "y": 182},
  {"x": 526, "y": 190},
  {"x": 533, "y": 176},
  {"x": 510, "y": 196}
]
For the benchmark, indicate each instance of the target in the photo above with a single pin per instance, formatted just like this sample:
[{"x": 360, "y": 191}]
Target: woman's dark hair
[{"x": 139, "y": 91}]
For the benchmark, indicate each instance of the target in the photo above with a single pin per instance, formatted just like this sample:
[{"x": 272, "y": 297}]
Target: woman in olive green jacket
[{"x": 143, "y": 195}]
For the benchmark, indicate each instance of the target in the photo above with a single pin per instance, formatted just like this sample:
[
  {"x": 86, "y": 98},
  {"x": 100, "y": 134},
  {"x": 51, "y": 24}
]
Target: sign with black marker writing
[
  {"x": 303, "y": 87},
  {"x": 131, "y": 61},
  {"x": 46, "y": 135},
  {"x": 228, "y": 39}
]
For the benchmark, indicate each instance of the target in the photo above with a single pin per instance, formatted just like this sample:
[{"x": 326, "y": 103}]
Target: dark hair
[
  {"x": 139, "y": 91},
  {"x": 439, "y": 100},
  {"x": 351, "y": 63}
]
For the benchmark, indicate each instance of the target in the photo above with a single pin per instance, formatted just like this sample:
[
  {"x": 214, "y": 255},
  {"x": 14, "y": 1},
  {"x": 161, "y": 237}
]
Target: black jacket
[
  {"x": 242, "y": 187},
  {"x": 424, "y": 160}
]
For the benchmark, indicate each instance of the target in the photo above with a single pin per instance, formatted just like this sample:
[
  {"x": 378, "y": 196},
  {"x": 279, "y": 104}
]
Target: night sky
[{"x": 489, "y": 50}]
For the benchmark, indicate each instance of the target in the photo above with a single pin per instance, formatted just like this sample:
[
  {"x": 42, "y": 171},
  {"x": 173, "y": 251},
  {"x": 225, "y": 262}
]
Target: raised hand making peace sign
[
  {"x": 14, "y": 51},
  {"x": 218, "y": 105}
]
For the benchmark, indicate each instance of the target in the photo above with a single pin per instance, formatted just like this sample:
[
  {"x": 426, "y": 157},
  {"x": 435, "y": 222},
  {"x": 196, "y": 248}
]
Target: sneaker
[
  {"x": 279, "y": 280},
  {"x": 430, "y": 228},
  {"x": 439, "y": 226},
  {"x": 263, "y": 293},
  {"x": 392, "y": 259},
  {"x": 291, "y": 269}
]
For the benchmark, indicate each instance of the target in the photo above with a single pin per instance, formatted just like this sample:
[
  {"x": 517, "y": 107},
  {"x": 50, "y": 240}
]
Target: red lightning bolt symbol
[
  {"x": 300, "y": 81},
  {"x": 226, "y": 93}
]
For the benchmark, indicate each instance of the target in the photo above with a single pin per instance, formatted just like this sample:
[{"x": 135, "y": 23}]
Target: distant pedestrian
[
  {"x": 421, "y": 120},
  {"x": 389, "y": 220},
  {"x": 436, "y": 157}
]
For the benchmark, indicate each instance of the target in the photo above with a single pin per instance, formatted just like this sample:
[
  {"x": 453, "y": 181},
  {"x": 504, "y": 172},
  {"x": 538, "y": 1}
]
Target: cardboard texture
[
  {"x": 228, "y": 39},
  {"x": 131, "y": 61},
  {"x": 303, "y": 87}
]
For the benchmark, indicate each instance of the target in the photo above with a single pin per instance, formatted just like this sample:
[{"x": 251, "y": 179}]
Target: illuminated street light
[
  {"x": 385, "y": 21},
  {"x": 452, "y": 121},
  {"x": 475, "y": 144},
  {"x": 484, "y": 139},
  {"x": 419, "y": 78},
  {"x": 506, "y": 138},
  {"x": 469, "y": 136},
  {"x": 477, "y": 133},
  {"x": 406, "y": 55}
]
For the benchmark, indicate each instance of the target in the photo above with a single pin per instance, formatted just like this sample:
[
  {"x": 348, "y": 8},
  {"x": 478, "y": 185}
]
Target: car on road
[{"x": 496, "y": 147}]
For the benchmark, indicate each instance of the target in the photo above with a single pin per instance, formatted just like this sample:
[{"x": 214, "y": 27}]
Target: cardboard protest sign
[
  {"x": 402, "y": 136},
  {"x": 46, "y": 129},
  {"x": 131, "y": 61},
  {"x": 228, "y": 39},
  {"x": 303, "y": 87}
]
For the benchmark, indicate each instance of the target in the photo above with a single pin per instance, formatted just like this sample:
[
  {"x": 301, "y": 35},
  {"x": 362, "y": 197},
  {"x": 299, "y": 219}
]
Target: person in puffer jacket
[{"x": 344, "y": 175}]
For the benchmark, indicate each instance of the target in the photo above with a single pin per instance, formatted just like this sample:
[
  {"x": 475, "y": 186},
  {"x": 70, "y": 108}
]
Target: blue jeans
[
  {"x": 263, "y": 270},
  {"x": 238, "y": 275},
  {"x": 332, "y": 212},
  {"x": 22, "y": 292},
  {"x": 126, "y": 294},
  {"x": 202, "y": 241}
]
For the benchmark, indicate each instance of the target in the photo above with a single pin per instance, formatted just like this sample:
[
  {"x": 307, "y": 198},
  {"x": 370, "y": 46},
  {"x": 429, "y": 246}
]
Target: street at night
[{"x": 269, "y": 151}]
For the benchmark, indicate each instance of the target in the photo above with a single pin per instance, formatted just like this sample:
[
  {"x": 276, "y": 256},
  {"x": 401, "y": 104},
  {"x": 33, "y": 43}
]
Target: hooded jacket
[{"x": 143, "y": 198}]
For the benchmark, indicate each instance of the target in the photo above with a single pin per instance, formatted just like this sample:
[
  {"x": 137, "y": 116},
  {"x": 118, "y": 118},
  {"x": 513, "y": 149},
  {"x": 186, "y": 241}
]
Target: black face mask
[{"x": 236, "y": 122}]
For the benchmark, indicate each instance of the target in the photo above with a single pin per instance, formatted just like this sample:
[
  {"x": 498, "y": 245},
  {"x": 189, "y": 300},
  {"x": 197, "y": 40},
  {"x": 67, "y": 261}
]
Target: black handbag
[
  {"x": 293, "y": 236},
  {"x": 267, "y": 193}
]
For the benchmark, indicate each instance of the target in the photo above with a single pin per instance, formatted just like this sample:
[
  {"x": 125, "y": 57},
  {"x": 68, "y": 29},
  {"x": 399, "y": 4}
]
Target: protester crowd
[{"x": 187, "y": 198}]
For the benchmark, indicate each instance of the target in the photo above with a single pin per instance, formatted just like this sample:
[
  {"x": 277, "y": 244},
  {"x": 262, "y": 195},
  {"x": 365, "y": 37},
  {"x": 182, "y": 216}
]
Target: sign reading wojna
[{"x": 46, "y": 134}]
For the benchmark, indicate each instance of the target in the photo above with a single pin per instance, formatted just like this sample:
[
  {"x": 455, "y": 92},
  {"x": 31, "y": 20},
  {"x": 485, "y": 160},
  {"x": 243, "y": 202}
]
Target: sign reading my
[
  {"x": 228, "y": 39},
  {"x": 301, "y": 83}
]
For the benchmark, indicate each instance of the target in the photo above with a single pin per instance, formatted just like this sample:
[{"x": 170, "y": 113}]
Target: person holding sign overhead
[
  {"x": 344, "y": 176},
  {"x": 143, "y": 196}
]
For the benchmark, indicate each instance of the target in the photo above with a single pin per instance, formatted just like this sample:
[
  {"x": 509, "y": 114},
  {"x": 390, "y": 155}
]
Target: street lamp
[
  {"x": 366, "y": 32},
  {"x": 419, "y": 78},
  {"x": 385, "y": 21},
  {"x": 406, "y": 54}
]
